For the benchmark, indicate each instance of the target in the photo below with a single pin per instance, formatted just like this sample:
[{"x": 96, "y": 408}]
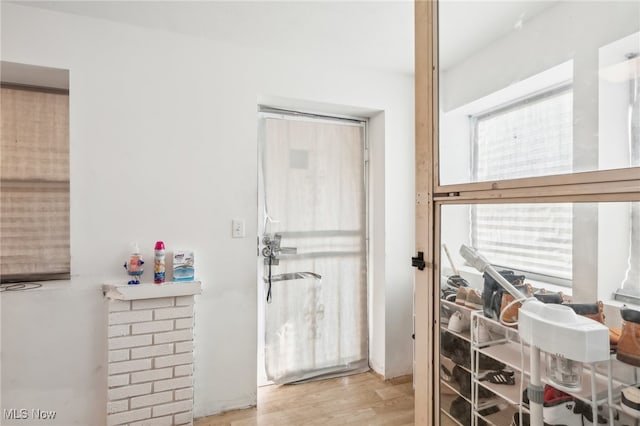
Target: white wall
[
  {"x": 548, "y": 49},
  {"x": 163, "y": 146}
]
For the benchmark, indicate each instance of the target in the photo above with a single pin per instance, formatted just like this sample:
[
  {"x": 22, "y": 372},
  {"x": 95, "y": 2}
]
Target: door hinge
[{"x": 418, "y": 262}]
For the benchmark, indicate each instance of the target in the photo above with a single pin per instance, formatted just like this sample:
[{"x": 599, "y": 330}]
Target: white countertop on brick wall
[{"x": 150, "y": 290}]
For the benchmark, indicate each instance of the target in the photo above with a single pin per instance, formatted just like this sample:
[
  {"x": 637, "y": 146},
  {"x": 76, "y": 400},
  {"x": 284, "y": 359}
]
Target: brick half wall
[{"x": 150, "y": 362}]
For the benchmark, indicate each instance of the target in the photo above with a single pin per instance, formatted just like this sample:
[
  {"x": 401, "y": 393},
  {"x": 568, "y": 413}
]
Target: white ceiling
[
  {"x": 376, "y": 34},
  {"x": 372, "y": 34}
]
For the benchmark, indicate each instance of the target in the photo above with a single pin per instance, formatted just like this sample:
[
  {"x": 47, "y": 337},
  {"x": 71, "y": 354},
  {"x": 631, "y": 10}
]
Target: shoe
[
  {"x": 455, "y": 348},
  {"x": 462, "y": 354},
  {"x": 614, "y": 337},
  {"x": 488, "y": 363},
  {"x": 446, "y": 369},
  {"x": 463, "y": 378},
  {"x": 448, "y": 344},
  {"x": 560, "y": 408},
  {"x": 448, "y": 294},
  {"x": 474, "y": 299},
  {"x": 445, "y": 374},
  {"x": 501, "y": 377},
  {"x": 548, "y": 297},
  {"x": 492, "y": 292},
  {"x": 630, "y": 401},
  {"x": 482, "y": 332},
  {"x": 457, "y": 323},
  {"x": 594, "y": 311},
  {"x": 460, "y": 410},
  {"x": 456, "y": 281},
  {"x": 629, "y": 343},
  {"x": 587, "y": 416},
  {"x": 525, "y": 420},
  {"x": 553, "y": 396},
  {"x": 509, "y": 308},
  {"x": 461, "y": 296}
]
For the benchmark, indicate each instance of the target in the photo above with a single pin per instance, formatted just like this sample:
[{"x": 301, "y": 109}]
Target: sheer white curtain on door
[{"x": 313, "y": 196}]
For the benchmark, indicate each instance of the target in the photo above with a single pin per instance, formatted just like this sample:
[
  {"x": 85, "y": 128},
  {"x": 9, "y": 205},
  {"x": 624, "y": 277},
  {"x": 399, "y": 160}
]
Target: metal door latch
[
  {"x": 272, "y": 249},
  {"x": 418, "y": 262}
]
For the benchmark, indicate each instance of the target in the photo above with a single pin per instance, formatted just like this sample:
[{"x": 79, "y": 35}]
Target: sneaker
[
  {"x": 630, "y": 401},
  {"x": 587, "y": 416},
  {"x": 448, "y": 344},
  {"x": 488, "y": 363},
  {"x": 448, "y": 294},
  {"x": 560, "y": 408},
  {"x": 501, "y": 377},
  {"x": 463, "y": 378},
  {"x": 481, "y": 332},
  {"x": 457, "y": 323},
  {"x": 456, "y": 281},
  {"x": 525, "y": 420},
  {"x": 460, "y": 410},
  {"x": 473, "y": 299},
  {"x": 553, "y": 396},
  {"x": 461, "y": 295},
  {"x": 445, "y": 374}
]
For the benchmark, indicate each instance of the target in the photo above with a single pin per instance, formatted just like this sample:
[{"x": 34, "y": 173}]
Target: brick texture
[
  {"x": 172, "y": 336},
  {"x": 175, "y": 407},
  {"x": 150, "y": 362},
  {"x": 156, "y": 421},
  {"x": 151, "y": 375},
  {"x": 185, "y": 418},
  {"x": 128, "y": 416}
]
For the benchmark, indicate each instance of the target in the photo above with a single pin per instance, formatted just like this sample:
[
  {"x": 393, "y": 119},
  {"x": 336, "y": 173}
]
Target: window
[
  {"x": 531, "y": 137},
  {"x": 34, "y": 240},
  {"x": 630, "y": 289}
]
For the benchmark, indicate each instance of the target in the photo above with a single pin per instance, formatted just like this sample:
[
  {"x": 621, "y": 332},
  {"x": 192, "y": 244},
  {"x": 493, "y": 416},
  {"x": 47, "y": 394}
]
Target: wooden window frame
[{"x": 594, "y": 186}]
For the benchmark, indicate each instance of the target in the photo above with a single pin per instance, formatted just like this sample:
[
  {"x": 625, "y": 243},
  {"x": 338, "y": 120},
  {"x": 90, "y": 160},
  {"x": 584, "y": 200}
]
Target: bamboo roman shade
[{"x": 34, "y": 233}]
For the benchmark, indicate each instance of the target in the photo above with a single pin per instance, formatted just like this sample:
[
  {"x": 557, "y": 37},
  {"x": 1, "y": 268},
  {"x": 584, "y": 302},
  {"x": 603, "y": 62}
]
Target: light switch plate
[{"x": 237, "y": 228}]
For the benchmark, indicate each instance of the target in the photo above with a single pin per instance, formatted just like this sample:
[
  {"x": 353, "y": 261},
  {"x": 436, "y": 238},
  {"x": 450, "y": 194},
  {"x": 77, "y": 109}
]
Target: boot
[
  {"x": 614, "y": 337},
  {"x": 629, "y": 343},
  {"x": 508, "y": 309},
  {"x": 595, "y": 311}
]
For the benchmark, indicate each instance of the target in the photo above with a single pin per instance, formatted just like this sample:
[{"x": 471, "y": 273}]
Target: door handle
[{"x": 294, "y": 276}]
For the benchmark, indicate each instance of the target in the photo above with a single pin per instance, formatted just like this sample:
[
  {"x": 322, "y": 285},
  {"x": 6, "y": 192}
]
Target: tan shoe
[
  {"x": 474, "y": 299},
  {"x": 629, "y": 343},
  {"x": 461, "y": 295},
  {"x": 509, "y": 310}
]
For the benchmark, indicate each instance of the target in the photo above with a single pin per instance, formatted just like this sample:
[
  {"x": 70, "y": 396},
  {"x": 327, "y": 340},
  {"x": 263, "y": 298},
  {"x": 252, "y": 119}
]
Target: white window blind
[
  {"x": 532, "y": 137},
  {"x": 34, "y": 196}
]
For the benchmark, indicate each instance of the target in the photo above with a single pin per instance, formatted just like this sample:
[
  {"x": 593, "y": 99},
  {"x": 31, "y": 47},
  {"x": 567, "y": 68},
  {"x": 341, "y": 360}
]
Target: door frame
[{"x": 264, "y": 110}]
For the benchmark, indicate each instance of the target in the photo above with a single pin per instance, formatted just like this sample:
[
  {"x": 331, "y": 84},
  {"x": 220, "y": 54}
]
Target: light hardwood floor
[{"x": 361, "y": 399}]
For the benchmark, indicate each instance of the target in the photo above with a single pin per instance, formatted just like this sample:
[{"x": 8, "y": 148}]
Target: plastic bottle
[
  {"x": 158, "y": 264},
  {"x": 134, "y": 264}
]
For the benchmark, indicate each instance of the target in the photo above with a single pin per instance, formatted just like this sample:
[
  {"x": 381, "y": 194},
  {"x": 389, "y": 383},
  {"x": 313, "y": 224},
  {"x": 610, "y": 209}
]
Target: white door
[{"x": 312, "y": 277}]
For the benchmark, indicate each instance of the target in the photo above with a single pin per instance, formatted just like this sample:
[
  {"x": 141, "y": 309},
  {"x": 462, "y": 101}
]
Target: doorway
[{"x": 312, "y": 261}]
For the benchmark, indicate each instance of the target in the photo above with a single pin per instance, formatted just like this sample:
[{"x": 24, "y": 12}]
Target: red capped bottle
[{"x": 158, "y": 264}]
